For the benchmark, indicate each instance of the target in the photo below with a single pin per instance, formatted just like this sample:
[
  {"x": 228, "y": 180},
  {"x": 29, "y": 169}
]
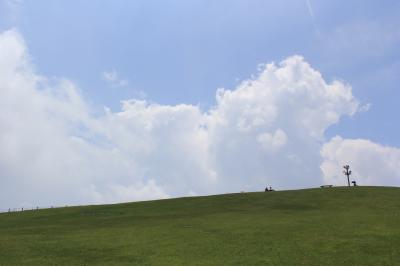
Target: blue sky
[{"x": 181, "y": 52}]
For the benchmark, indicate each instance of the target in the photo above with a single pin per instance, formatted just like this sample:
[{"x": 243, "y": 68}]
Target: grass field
[{"x": 333, "y": 226}]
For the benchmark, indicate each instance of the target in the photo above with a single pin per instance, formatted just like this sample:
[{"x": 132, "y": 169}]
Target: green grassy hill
[{"x": 336, "y": 226}]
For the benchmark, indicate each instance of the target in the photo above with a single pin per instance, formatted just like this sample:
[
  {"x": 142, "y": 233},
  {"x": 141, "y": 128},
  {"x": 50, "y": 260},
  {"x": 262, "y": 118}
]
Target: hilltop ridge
[{"x": 330, "y": 226}]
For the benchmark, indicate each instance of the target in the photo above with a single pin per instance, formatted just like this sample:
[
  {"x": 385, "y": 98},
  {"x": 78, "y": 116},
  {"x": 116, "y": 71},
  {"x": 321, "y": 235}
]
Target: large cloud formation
[{"x": 268, "y": 130}]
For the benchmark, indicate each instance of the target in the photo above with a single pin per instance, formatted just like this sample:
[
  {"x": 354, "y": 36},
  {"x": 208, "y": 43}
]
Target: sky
[{"x": 114, "y": 101}]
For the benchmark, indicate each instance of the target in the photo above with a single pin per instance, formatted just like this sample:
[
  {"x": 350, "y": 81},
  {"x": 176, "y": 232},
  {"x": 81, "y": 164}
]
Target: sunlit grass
[{"x": 332, "y": 226}]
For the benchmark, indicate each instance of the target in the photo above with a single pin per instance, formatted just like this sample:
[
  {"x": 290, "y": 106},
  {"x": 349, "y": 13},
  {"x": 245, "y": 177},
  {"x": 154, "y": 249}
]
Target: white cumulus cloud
[
  {"x": 112, "y": 78},
  {"x": 272, "y": 141},
  {"x": 268, "y": 130},
  {"x": 371, "y": 163}
]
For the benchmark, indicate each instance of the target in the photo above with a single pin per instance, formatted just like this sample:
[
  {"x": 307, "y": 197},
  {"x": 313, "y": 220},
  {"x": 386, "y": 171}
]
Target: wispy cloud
[
  {"x": 112, "y": 78},
  {"x": 311, "y": 12}
]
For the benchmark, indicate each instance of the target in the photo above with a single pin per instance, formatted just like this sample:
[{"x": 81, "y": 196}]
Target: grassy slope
[{"x": 356, "y": 226}]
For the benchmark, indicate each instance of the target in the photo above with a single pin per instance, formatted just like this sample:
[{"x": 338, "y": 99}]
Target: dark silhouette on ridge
[
  {"x": 347, "y": 173},
  {"x": 267, "y": 190}
]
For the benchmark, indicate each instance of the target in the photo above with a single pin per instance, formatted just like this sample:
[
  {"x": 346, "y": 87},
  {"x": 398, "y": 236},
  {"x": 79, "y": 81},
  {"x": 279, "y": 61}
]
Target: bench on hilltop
[{"x": 323, "y": 186}]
